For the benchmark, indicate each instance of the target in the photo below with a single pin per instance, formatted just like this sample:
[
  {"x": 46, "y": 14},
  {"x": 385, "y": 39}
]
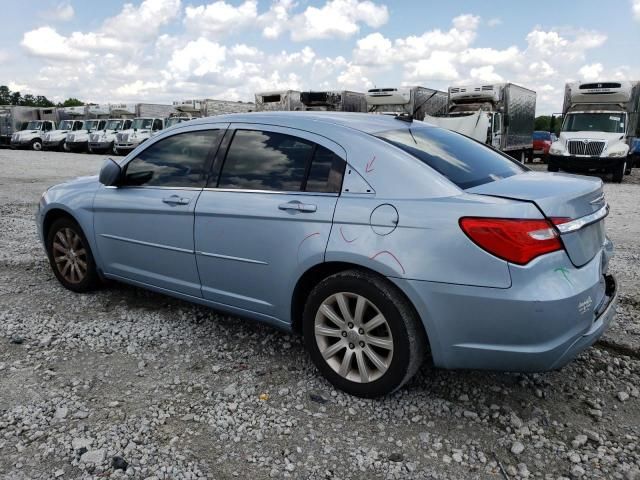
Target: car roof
[{"x": 364, "y": 122}]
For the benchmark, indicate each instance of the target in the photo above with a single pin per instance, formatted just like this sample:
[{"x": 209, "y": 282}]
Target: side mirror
[{"x": 110, "y": 173}]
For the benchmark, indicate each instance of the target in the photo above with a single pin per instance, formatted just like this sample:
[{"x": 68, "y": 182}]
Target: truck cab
[
  {"x": 103, "y": 141},
  {"x": 56, "y": 139},
  {"x": 78, "y": 141},
  {"x": 597, "y": 130},
  {"x": 142, "y": 128},
  {"x": 33, "y": 133}
]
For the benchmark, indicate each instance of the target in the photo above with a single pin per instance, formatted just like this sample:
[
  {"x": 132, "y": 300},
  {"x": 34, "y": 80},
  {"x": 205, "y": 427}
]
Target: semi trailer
[
  {"x": 599, "y": 128},
  {"x": 287, "y": 100},
  {"x": 334, "y": 101},
  {"x": 501, "y": 115},
  {"x": 415, "y": 101}
]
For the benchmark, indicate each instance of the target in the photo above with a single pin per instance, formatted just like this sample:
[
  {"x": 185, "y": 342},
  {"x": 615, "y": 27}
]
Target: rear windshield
[
  {"x": 541, "y": 136},
  {"x": 464, "y": 161}
]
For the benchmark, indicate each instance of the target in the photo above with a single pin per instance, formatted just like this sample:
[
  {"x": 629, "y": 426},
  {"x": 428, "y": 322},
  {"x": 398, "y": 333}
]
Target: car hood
[{"x": 77, "y": 182}]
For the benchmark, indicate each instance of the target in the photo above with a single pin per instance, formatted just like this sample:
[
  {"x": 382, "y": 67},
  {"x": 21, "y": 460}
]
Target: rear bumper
[
  {"x": 540, "y": 325},
  {"x": 571, "y": 163}
]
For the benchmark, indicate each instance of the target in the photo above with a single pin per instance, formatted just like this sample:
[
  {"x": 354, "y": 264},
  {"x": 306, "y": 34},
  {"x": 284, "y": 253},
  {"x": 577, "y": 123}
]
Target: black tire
[
  {"x": 91, "y": 280},
  {"x": 36, "y": 144},
  {"x": 618, "y": 172},
  {"x": 409, "y": 339},
  {"x": 552, "y": 168},
  {"x": 629, "y": 166}
]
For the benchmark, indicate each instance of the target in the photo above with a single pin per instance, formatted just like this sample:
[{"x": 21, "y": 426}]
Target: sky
[{"x": 165, "y": 50}]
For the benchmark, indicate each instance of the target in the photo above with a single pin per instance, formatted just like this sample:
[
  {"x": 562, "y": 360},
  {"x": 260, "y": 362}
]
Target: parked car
[
  {"x": 541, "y": 143},
  {"x": 378, "y": 238}
]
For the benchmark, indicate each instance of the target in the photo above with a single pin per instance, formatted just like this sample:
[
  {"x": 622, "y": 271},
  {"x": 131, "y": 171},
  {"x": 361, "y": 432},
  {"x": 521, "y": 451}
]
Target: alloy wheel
[
  {"x": 353, "y": 337},
  {"x": 70, "y": 255}
]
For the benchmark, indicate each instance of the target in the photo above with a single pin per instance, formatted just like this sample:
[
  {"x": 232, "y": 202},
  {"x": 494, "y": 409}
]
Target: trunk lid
[{"x": 559, "y": 196}]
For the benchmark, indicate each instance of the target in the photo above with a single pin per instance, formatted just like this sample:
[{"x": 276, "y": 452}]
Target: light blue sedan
[{"x": 379, "y": 238}]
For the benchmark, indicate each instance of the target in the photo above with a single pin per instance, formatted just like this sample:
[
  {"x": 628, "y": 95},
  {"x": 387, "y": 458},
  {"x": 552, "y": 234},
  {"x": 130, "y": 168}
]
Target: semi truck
[
  {"x": 71, "y": 120},
  {"x": 149, "y": 120},
  {"x": 415, "y": 101},
  {"x": 599, "y": 128},
  {"x": 334, "y": 101},
  {"x": 14, "y": 118},
  {"x": 31, "y": 136},
  {"x": 96, "y": 119},
  {"x": 501, "y": 115},
  {"x": 120, "y": 118},
  {"x": 287, "y": 100}
]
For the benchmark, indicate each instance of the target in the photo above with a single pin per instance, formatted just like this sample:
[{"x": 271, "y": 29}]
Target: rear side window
[
  {"x": 176, "y": 161},
  {"x": 462, "y": 160},
  {"x": 259, "y": 160},
  {"x": 325, "y": 174}
]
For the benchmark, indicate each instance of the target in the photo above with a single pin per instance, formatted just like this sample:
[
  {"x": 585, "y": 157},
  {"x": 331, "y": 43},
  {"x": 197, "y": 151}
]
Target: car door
[
  {"x": 266, "y": 217},
  {"x": 144, "y": 227}
]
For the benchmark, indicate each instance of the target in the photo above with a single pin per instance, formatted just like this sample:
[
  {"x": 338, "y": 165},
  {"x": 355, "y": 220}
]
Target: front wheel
[
  {"x": 70, "y": 256},
  {"x": 618, "y": 172},
  {"x": 362, "y": 334},
  {"x": 36, "y": 144}
]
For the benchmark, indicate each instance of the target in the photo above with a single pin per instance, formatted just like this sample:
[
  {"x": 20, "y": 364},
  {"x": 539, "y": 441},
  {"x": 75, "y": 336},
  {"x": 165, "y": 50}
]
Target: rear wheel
[
  {"x": 36, "y": 144},
  {"x": 362, "y": 334},
  {"x": 70, "y": 256},
  {"x": 618, "y": 171}
]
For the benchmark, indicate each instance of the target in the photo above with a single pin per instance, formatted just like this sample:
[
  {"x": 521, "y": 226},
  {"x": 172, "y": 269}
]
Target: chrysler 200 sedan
[{"x": 379, "y": 238}]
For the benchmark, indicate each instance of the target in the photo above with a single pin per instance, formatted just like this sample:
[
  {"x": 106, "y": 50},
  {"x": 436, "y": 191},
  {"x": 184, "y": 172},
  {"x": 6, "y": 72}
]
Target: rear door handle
[
  {"x": 298, "y": 206},
  {"x": 176, "y": 200}
]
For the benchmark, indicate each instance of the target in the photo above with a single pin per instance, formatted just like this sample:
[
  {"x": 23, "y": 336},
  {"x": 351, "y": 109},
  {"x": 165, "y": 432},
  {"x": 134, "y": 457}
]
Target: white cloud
[
  {"x": 485, "y": 74},
  {"x": 494, "y": 22},
  {"x": 591, "y": 72},
  {"x": 635, "y": 8},
  {"x": 484, "y": 56},
  {"x": 197, "y": 58},
  {"x": 46, "y": 42},
  {"x": 220, "y": 18},
  {"x": 139, "y": 87},
  {"x": 354, "y": 78},
  {"x": 141, "y": 22},
  {"x": 245, "y": 51},
  {"x": 337, "y": 18},
  {"x": 541, "y": 69},
  {"x": 276, "y": 19},
  {"x": 374, "y": 49},
  {"x": 439, "y": 66},
  {"x": 62, "y": 12}
]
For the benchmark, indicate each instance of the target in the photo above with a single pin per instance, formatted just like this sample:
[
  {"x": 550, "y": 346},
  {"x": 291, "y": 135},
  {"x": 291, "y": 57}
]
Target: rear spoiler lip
[{"x": 580, "y": 223}]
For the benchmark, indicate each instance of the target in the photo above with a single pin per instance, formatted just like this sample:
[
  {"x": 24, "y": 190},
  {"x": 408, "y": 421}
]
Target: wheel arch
[
  {"x": 315, "y": 274},
  {"x": 51, "y": 216}
]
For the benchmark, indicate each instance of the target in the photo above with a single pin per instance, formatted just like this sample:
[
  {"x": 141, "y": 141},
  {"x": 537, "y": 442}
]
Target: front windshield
[
  {"x": 114, "y": 125},
  {"x": 66, "y": 125},
  {"x": 462, "y": 160},
  {"x": 35, "y": 125},
  {"x": 142, "y": 123},
  {"x": 612, "y": 122},
  {"x": 91, "y": 125}
]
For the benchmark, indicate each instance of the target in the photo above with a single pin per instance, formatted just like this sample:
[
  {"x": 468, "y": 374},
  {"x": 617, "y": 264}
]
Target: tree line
[
  {"x": 548, "y": 123},
  {"x": 7, "y": 97}
]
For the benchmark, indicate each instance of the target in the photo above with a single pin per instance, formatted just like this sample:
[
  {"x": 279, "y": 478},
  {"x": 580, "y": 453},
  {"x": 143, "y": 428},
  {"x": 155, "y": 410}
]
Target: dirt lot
[{"x": 126, "y": 383}]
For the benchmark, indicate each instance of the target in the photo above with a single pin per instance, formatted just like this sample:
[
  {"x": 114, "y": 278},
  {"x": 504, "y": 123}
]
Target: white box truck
[
  {"x": 31, "y": 136},
  {"x": 14, "y": 118},
  {"x": 78, "y": 141},
  {"x": 120, "y": 118},
  {"x": 150, "y": 119},
  {"x": 287, "y": 100},
  {"x": 599, "y": 127},
  {"x": 334, "y": 101},
  {"x": 71, "y": 120},
  {"x": 415, "y": 101},
  {"x": 501, "y": 115}
]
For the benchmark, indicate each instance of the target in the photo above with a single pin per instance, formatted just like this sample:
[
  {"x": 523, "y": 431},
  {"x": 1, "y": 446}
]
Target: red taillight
[{"x": 514, "y": 240}]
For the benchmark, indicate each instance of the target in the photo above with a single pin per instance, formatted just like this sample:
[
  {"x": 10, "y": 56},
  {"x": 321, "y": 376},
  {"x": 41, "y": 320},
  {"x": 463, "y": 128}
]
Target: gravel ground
[{"x": 124, "y": 383}]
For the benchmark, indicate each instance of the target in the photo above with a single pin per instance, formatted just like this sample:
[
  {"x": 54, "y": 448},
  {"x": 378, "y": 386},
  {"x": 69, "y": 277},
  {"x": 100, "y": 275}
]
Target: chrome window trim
[
  {"x": 582, "y": 222},
  {"x": 286, "y": 192}
]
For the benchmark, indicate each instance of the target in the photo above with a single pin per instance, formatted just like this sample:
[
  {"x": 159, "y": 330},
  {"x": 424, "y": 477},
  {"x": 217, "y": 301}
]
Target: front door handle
[
  {"x": 298, "y": 206},
  {"x": 176, "y": 200}
]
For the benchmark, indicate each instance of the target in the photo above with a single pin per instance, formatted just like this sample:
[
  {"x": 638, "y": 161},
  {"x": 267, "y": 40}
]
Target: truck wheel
[
  {"x": 629, "y": 166},
  {"x": 65, "y": 147},
  {"x": 115, "y": 150},
  {"x": 530, "y": 155},
  {"x": 36, "y": 144},
  {"x": 618, "y": 172}
]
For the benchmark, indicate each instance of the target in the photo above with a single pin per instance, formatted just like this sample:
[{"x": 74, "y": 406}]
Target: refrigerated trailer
[
  {"x": 334, "y": 101},
  {"x": 412, "y": 101},
  {"x": 287, "y": 100},
  {"x": 221, "y": 107},
  {"x": 599, "y": 128},
  {"x": 501, "y": 115},
  {"x": 13, "y": 119}
]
